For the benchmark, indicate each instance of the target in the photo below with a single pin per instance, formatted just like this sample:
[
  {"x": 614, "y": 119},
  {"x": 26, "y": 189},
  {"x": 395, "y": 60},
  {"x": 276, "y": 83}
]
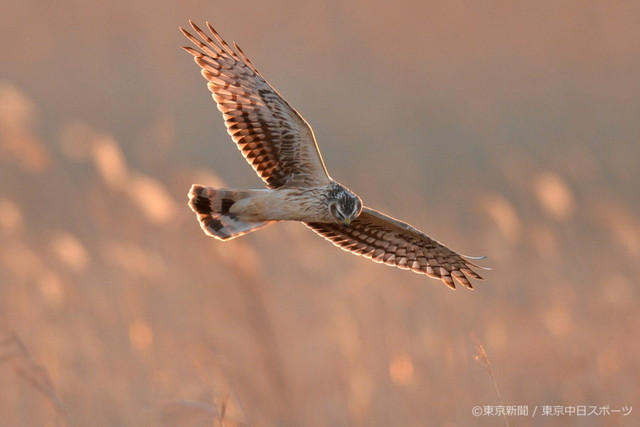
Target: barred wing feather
[
  {"x": 277, "y": 142},
  {"x": 386, "y": 240}
]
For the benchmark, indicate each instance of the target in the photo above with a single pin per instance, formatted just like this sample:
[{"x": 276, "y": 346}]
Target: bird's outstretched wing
[
  {"x": 272, "y": 136},
  {"x": 386, "y": 240}
]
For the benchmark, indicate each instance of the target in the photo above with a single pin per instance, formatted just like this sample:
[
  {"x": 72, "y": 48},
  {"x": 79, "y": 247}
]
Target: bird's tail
[{"x": 212, "y": 206}]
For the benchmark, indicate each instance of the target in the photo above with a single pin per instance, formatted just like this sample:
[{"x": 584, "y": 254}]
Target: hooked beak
[{"x": 347, "y": 221}]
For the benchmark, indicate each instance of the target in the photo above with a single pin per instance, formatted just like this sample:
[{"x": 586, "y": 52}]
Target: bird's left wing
[
  {"x": 386, "y": 240},
  {"x": 277, "y": 142}
]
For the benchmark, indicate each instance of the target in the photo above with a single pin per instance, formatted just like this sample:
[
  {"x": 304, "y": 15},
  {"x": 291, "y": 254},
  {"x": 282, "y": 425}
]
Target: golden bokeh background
[{"x": 502, "y": 128}]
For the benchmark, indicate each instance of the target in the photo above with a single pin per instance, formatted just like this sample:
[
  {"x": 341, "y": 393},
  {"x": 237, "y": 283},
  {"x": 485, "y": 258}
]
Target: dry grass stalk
[
  {"x": 13, "y": 350},
  {"x": 483, "y": 357}
]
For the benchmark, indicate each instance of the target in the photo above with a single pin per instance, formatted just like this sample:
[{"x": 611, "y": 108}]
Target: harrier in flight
[{"x": 281, "y": 147}]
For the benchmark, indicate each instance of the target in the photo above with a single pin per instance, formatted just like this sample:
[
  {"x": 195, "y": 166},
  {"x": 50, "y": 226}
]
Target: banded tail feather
[{"x": 212, "y": 206}]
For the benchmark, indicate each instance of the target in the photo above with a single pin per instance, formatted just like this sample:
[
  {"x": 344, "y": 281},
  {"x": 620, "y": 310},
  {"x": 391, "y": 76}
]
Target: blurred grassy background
[{"x": 501, "y": 128}]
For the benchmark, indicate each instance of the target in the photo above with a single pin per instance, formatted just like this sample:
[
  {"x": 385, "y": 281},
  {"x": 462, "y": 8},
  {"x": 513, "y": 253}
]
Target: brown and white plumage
[
  {"x": 383, "y": 239},
  {"x": 272, "y": 136},
  {"x": 280, "y": 146}
]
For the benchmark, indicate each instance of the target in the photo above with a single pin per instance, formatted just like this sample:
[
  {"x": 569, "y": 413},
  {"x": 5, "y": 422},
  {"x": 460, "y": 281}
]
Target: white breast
[{"x": 306, "y": 205}]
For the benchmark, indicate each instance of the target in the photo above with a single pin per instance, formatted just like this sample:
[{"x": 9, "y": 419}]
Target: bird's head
[{"x": 344, "y": 206}]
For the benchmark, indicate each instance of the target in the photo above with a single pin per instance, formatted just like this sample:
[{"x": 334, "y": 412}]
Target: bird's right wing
[
  {"x": 386, "y": 240},
  {"x": 273, "y": 137}
]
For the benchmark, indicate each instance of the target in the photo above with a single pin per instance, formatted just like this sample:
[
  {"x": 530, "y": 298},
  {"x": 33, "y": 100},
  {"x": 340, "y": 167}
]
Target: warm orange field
[{"x": 506, "y": 129}]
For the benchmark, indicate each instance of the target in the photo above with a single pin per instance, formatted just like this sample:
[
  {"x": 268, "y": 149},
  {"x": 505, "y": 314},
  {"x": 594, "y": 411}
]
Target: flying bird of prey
[{"x": 281, "y": 147}]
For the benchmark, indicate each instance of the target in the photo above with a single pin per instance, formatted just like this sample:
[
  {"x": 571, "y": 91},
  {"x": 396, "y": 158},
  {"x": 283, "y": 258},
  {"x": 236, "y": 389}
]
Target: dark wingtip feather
[
  {"x": 194, "y": 26},
  {"x": 448, "y": 280},
  {"x": 186, "y": 33},
  {"x": 191, "y": 50}
]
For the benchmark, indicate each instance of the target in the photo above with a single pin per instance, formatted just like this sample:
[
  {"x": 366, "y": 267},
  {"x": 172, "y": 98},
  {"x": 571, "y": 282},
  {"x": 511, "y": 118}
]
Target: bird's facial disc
[{"x": 346, "y": 208}]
